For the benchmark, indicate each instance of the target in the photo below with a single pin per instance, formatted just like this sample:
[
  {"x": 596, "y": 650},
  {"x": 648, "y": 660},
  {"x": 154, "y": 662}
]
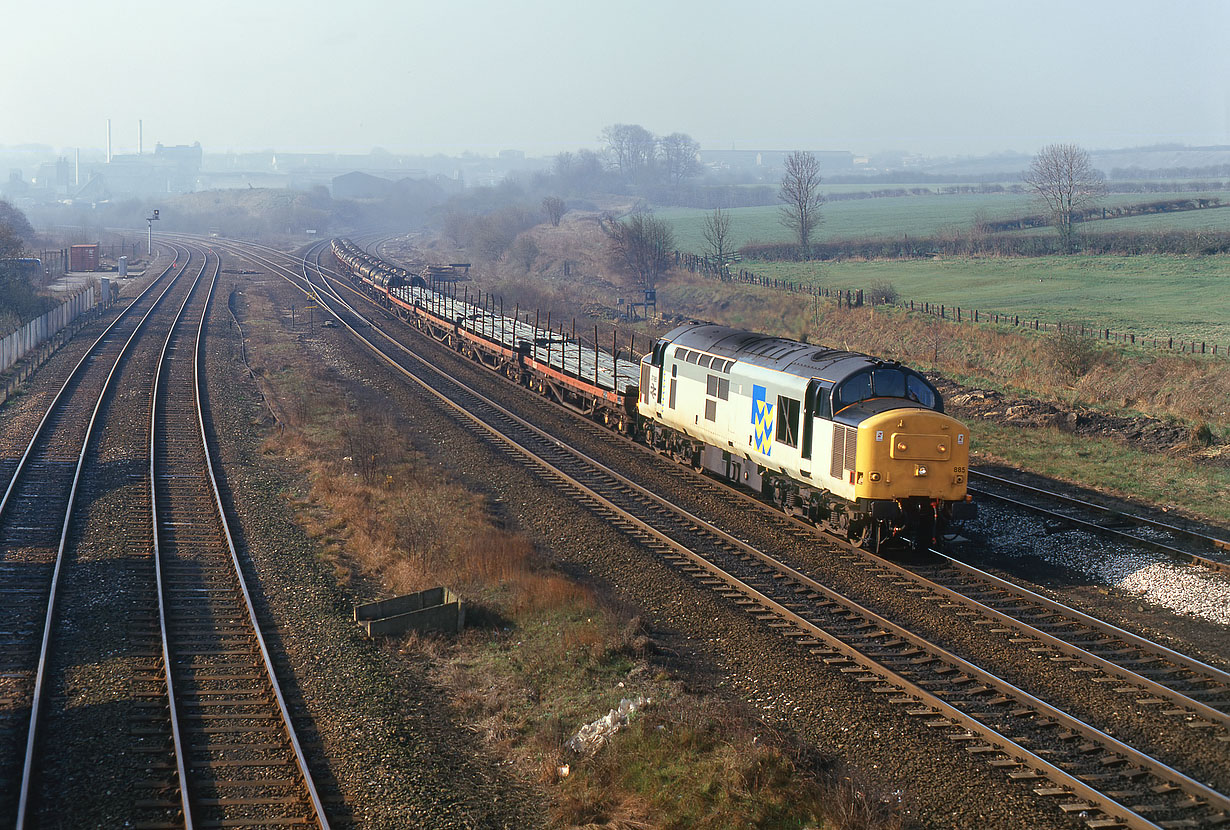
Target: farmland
[
  {"x": 888, "y": 216},
  {"x": 894, "y": 216},
  {"x": 1153, "y": 295}
]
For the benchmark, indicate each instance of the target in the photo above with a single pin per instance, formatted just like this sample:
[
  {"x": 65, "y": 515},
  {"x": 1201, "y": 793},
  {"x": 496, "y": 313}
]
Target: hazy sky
[{"x": 931, "y": 76}]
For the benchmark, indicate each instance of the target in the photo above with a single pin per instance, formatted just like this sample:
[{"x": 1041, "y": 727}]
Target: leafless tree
[
  {"x": 800, "y": 191},
  {"x": 678, "y": 154},
  {"x": 716, "y": 230},
  {"x": 632, "y": 147},
  {"x": 553, "y": 206},
  {"x": 1065, "y": 181},
  {"x": 524, "y": 251},
  {"x": 10, "y": 243},
  {"x": 16, "y": 222},
  {"x": 643, "y": 244}
]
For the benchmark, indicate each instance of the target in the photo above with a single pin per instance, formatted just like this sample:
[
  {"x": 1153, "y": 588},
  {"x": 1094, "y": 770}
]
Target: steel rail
[
  {"x": 1218, "y": 565},
  {"x": 1181, "y": 660},
  {"x": 77, "y": 369},
  {"x": 313, "y": 796},
  {"x": 300, "y": 758},
  {"x": 1135, "y": 518},
  {"x": 176, "y": 736},
  {"x": 1184, "y": 661},
  {"x": 36, "y": 705},
  {"x": 1110, "y": 806}
]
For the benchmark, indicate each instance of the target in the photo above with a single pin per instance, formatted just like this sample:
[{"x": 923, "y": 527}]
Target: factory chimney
[
  {"x": 108, "y": 141},
  {"x": 140, "y": 128},
  {"x": 77, "y": 169}
]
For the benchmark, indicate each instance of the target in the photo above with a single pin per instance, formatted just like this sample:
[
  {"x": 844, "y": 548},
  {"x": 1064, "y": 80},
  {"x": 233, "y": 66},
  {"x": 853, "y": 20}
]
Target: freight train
[{"x": 855, "y": 444}]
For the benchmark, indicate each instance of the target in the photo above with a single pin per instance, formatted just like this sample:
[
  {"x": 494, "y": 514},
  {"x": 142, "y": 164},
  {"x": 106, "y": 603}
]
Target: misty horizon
[{"x": 949, "y": 79}]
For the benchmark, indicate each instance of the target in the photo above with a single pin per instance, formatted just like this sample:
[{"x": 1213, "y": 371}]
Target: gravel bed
[
  {"x": 93, "y": 755},
  {"x": 1157, "y": 580},
  {"x": 19, "y": 416}
]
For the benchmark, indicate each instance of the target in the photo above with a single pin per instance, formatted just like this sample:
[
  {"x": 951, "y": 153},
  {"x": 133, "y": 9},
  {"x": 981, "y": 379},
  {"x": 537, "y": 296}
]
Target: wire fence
[{"x": 855, "y": 297}]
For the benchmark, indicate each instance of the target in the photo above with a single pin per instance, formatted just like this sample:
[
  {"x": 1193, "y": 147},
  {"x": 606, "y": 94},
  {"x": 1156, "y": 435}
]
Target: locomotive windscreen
[{"x": 884, "y": 383}]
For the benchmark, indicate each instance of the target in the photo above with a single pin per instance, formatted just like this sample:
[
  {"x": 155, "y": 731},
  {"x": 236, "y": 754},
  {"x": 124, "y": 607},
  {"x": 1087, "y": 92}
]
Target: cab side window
[{"x": 787, "y": 421}]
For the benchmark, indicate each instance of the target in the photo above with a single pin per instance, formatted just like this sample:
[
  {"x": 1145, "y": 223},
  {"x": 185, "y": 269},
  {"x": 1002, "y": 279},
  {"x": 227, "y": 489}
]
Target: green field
[
  {"x": 1153, "y": 296},
  {"x": 889, "y": 216},
  {"x": 1210, "y": 219},
  {"x": 929, "y": 215}
]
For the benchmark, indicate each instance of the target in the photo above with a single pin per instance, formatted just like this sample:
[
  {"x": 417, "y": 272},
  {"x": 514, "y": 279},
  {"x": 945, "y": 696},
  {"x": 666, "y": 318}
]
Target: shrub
[
  {"x": 883, "y": 293},
  {"x": 1073, "y": 355}
]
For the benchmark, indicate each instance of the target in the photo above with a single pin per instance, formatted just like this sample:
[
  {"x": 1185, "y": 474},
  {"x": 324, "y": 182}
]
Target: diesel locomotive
[{"x": 841, "y": 439}]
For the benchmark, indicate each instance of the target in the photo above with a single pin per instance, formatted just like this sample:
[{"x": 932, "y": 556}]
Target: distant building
[
  {"x": 356, "y": 185},
  {"x": 832, "y": 162}
]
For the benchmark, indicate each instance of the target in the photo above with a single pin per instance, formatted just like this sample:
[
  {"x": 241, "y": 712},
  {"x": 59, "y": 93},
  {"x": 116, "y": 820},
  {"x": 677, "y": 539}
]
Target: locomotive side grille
[
  {"x": 845, "y": 446},
  {"x": 839, "y": 451}
]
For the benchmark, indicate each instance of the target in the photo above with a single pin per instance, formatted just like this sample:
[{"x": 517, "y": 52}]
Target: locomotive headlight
[
  {"x": 942, "y": 448},
  {"x": 901, "y": 446},
  {"x": 920, "y": 470},
  {"x": 875, "y": 476}
]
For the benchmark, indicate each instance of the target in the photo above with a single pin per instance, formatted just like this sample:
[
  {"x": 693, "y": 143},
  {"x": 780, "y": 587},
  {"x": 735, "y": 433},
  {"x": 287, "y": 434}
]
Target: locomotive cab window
[
  {"x": 919, "y": 390},
  {"x": 787, "y": 421},
  {"x": 857, "y": 388}
]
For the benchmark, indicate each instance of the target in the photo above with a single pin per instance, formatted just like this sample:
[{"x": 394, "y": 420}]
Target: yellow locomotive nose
[{"x": 915, "y": 454}]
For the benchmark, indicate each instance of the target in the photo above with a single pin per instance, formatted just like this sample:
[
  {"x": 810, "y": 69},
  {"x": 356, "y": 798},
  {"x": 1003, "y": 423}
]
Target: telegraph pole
[{"x": 150, "y": 220}]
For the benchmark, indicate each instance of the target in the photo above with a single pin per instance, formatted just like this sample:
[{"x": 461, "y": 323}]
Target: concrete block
[{"x": 436, "y": 609}]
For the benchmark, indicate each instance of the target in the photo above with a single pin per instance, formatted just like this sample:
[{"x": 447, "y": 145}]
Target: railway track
[
  {"x": 1088, "y": 771},
  {"x": 35, "y": 518},
  {"x": 1181, "y": 543},
  {"x": 183, "y": 697},
  {"x": 238, "y": 758}
]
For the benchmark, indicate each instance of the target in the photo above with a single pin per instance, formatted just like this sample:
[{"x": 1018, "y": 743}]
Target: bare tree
[
  {"x": 716, "y": 230},
  {"x": 524, "y": 251},
  {"x": 800, "y": 191},
  {"x": 1065, "y": 181},
  {"x": 16, "y": 222},
  {"x": 678, "y": 155},
  {"x": 632, "y": 147},
  {"x": 10, "y": 243},
  {"x": 643, "y": 244},
  {"x": 553, "y": 206}
]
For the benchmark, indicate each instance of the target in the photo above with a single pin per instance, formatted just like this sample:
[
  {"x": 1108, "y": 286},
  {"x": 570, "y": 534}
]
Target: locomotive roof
[{"x": 777, "y": 353}]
